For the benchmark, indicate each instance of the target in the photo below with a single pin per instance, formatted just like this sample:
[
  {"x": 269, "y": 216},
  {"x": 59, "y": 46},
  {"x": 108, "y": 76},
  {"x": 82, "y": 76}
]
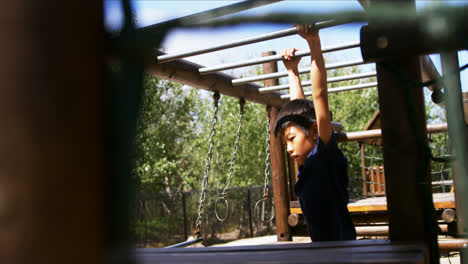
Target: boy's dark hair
[{"x": 300, "y": 112}]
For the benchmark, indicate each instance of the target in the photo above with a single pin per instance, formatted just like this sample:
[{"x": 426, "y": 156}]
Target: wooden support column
[
  {"x": 278, "y": 165},
  {"x": 406, "y": 163},
  {"x": 406, "y": 160},
  {"x": 364, "y": 171},
  {"x": 292, "y": 173}
]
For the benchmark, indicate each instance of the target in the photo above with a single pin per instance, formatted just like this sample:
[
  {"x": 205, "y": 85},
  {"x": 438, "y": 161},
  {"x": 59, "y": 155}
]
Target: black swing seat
[{"x": 360, "y": 251}]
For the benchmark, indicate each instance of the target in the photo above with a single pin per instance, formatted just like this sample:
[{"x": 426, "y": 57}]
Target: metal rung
[
  {"x": 340, "y": 89},
  {"x": 330, "y": 80},
  {"x": 236, "y": 43},
  {"x": 302, "y": 70},
  {"x": 272, "y": 58},
  {"x": 209, "y": 14},
  {"x": 186, "y": 243}
]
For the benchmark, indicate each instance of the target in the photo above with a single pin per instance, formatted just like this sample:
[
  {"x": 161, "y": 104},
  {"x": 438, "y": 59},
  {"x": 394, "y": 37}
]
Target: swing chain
[
  {"x": 201, "y": 206},
  {"x": 236, "y": 145},
  {"x": 262, "y": 201},
  {"x": 231, "y": 168},
  {"x": 267, "y": 159}
]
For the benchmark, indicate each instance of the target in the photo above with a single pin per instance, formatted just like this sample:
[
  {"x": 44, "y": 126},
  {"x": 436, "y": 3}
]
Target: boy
[{"x": 323, "y": 169}]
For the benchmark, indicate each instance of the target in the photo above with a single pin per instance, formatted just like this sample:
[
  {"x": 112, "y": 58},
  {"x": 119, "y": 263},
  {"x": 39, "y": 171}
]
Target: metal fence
[{"x": 163, "y": 219}]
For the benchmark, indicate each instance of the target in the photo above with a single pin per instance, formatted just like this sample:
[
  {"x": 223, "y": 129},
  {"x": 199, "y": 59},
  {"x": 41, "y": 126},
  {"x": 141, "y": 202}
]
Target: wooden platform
[
  {"x": 360, "y": 251},
  {"x": 379, "y": 204}
]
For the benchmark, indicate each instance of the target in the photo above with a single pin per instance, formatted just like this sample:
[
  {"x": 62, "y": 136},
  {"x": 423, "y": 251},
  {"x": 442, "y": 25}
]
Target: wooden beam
[
  {"x": 185, "y": 72},
  {"x": 379, "y": 204},
  {"x": 368, "y": 135},
  {"x": 278, "y": 165},
  {"x": 292, "y": 172},
  {"x": 409, "y": 39},
  {"x": 429, "y": 71},
  {"x": 406, "y": 161}
]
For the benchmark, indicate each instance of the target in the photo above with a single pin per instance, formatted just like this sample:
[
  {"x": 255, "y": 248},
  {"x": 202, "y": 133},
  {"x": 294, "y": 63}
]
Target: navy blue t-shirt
[{"x": 322, "y": 188}]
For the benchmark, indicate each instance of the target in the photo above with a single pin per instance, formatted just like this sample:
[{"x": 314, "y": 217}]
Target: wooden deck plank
[{"x": 379, "y": 204}]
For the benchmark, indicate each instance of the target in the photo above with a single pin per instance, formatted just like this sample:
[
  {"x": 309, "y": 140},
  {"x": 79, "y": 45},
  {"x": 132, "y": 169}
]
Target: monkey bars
[
  {"x": 237, "y": 43},
  {"x": 205, "y": 70},
  {"x": 329, "y": 80}
]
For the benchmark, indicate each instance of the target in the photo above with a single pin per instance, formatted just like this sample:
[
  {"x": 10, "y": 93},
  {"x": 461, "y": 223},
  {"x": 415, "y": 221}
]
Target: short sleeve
[{"x": 327, "y": 151}]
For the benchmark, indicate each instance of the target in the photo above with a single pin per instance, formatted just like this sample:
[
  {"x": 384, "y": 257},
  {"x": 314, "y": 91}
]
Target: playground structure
[
  {"x": 64, "y": 151},
  {"x": 397, "y": 124}
]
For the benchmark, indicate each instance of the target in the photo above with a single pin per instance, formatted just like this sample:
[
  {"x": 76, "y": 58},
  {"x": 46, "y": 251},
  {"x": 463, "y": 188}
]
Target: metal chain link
[
  {"x": 267, "y": 159},
  {"x": 231, "y": 168},
  {"x": 267, "y": 175},
  {"x": 236, "y": 145},
  {"x": 207, "y": 167}
]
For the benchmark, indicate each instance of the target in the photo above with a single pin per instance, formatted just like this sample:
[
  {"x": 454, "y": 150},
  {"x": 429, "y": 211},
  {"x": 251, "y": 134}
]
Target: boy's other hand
[
  {"x": 290, "y": 62},
  {"x": 307, "y": 32}
]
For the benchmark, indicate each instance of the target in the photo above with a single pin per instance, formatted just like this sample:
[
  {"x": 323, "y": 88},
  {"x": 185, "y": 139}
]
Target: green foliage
[
  {"x": 163, "y": 131},
  {"x": 353, "y": 109},
  {"x": 173, "y": 133},
  {"x": 249, "y": 167}
]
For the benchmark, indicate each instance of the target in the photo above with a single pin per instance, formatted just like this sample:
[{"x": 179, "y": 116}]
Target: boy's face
[{"x": 298, "y": 144}]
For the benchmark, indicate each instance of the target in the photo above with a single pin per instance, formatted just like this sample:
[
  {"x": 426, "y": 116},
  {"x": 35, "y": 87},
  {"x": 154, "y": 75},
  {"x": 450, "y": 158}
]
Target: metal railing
[
  {"x": 301, "y": 71},
  {"x": 340, "y": 89},
  {"x": 206, "y": 15},
  {"x": 241, "y": 42},
  {"x": 222, "y": 67},
  {"x": 330, "y": 80}
]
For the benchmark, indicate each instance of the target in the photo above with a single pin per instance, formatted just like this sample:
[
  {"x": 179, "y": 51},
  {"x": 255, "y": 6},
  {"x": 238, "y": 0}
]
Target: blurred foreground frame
[
  {"x": 54, "y": 168},
  {"x": 68, "y": 124},
  {"x": 64, "y": 181}
]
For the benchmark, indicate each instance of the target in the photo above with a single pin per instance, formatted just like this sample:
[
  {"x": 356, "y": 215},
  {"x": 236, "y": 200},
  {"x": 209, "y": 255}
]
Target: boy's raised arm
[
  {"x": 318, "y": 76},
  {"x": 291, "y": 63}
]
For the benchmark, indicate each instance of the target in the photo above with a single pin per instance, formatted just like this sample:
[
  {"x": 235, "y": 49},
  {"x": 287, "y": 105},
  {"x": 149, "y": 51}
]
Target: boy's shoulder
[{"x": 322, "y": 153}]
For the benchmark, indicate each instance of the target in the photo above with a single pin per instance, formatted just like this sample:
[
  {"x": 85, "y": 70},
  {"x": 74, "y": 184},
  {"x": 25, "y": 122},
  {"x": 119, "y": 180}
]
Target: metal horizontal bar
[
  {"x": 330, "y": 80},
  {"x": 272, "y": 58},
  {"x": 377, "y": 133},
  {"x": 236, "y": 43},
  {"x": 209, "y": 14},
  {"x": 352, "y": 87},
  {"x": 186, "y": 243},
  {"x": 285, "y": 73},
  {"x": 340, "y": 89}
]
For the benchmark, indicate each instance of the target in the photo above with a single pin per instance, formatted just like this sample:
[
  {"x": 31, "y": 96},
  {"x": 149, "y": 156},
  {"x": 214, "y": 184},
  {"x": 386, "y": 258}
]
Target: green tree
[
  {"x": 163, "y": 130},
  {"x": 353, "y": 109}
]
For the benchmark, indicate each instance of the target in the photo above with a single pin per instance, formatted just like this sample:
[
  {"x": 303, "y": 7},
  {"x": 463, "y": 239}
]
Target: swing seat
[{"x": 358, "y": 251}]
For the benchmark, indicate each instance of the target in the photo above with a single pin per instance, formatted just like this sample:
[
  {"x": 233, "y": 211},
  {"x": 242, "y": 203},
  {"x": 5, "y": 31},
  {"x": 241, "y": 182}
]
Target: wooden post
[
  {"x": 379, "y": 180},
  {"x": 184, "y": 208},
  {"x": 406, "y": 161},
  {"x": 292, "y": 172},
  {"x": 364, "y": 171},
  {"x": 278, "y": 165},
  {"x": 52, "y": 141},
  {"x": 249, "y": 206}
]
